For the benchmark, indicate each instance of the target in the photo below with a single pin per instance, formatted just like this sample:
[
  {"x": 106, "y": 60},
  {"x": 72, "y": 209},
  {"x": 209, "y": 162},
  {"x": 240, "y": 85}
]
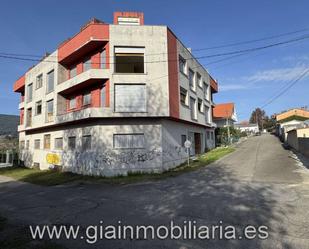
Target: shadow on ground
[{"x": 207, "y": 196}]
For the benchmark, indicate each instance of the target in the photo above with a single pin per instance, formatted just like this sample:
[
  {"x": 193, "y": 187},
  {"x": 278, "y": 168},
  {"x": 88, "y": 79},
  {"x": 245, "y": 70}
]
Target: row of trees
[{"x": 265, "y": 122}]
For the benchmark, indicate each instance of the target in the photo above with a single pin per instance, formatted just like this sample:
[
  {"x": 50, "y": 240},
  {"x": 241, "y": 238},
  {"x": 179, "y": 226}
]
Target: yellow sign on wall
[{"x": 52, "y": 158}]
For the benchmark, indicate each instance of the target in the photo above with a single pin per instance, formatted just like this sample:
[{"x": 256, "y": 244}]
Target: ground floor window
[
  {"x": 58, "y": 143},
  {"x": 129, "y": 141},
  {"x": 47, "y": 141},
  {"x": 37, "y": 144},
  {"x": 72, "y": 143},
  {"x": 183, "y": 140},
  {"x": 86, "y": 142}
]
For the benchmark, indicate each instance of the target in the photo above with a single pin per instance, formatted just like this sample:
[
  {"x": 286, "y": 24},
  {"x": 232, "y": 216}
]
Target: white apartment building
[{"x": 115, "y": 98}]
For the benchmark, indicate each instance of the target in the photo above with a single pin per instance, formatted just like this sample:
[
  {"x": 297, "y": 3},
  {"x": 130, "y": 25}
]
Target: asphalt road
[{"x": 261, "y": 183}]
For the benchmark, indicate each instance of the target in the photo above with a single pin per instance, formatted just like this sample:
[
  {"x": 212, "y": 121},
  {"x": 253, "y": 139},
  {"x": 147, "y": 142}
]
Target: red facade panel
[
  {"x": 20, "y": 84},
  {"x": 173, "y": 74},
  {"x": 89, "y": 38},
  {"x": 139, "y": 15}
]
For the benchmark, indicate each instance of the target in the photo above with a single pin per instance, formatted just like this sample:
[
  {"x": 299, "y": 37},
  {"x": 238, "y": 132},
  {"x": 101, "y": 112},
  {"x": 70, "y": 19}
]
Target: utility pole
[{"x": 228, "y": 128}]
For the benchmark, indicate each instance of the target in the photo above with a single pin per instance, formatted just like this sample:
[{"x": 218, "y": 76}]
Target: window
[
  {"x": 199, "y": 80},
  {"x": 37, "y": 144},
  {"x": 73, "y": 71},
  {"x": 206, "y": 114},
  {"x": 49, "y": 110},
  {"x": 182, "y": 65},
  {"x": 103, "y": 59},
  {"x": 58, "y": 143},
  {"x": 129, "y": 60},
  {"x": 72, "y": 143},
  {"x": 193, "y": 107},
  {"x": 191, "y": 79},
  {"x": 200, "y": 105},
  {"x": 86, "y": 142},
  {"x": 183, "y": 96},
  {"x": 72, "y": 103},
  {"x": 27, "y": 144},
  {"x": 207, "y": 135},
  {"x": 130, "y": 98},
  {"x": 29, "y": 92},
  {"x": 183, "y": 140},
  {"x": 50, "y": 81},
  {"x": 38, "y": 108},
  {"x": 29, "y": 117},
  {"x": 87, "y": 99},
  {"x": 206, "y": 91},
  {"x": 47, "y": 141},
  {"x": 211, "y": 135},
  {"x": 129, "y": 141},
  {"x": 87, "y": 64},
  {"x": 103, "y": 96},
  {"x": 22, "y": 144},
  {"x": 39, "y": 81}
]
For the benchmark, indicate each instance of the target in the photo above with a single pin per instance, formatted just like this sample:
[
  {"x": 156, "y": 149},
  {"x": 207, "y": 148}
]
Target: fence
[{"x": 8, "y": 158}]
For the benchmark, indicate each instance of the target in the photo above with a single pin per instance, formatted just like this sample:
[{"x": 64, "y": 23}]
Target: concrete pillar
[{"x": 7, "y": 157}]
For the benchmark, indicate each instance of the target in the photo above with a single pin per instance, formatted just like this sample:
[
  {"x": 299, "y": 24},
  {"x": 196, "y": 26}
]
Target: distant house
[
  {"x": 290, "y": 120},
  {"x": 247, "y": 127},
  {"x": 293, "y": 114},
  {"x": 224, "y": 114}
]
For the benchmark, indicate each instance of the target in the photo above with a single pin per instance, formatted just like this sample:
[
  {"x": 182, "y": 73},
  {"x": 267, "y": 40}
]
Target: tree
[{"x": 258, "y": 116}]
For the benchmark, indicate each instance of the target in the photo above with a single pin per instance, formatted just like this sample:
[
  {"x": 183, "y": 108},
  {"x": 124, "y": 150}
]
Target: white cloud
[
  {"x": 279, "y": 74},
  {"x": 232, "y": 87}
]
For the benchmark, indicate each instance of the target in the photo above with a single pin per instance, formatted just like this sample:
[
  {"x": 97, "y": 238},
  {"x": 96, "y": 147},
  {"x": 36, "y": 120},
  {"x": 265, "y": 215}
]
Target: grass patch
[{"x": 50, "y": 177}]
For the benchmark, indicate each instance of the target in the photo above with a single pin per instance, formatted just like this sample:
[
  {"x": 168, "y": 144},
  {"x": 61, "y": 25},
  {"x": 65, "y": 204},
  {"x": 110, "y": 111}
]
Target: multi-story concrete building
[{"x": 115, "y": 98}]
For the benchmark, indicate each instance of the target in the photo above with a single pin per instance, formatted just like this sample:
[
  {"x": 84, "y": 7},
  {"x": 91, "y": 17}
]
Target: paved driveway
[{"x": 259, "y": 184}]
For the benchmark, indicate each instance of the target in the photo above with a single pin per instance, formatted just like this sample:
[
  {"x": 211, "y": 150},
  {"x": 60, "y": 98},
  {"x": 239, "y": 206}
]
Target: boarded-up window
[
  {"x": 37, "y": 144},
  {"x": 129, "y": 141},
  {"x": 72, "y": 143},
  {"x": 130, "y": 98},
  {"x": 47, "y": 141},
  {"x": 58, "y": 143},
  {"x": 50, "y": 81},
  {"x": 86, "y": 142}
]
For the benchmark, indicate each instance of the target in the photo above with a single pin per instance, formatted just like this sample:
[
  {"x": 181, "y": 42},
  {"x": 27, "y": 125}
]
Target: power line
[
  {"x": 287, "y": 87},
  {"x": 190, "y": 58},
  {"x": 198, "y": 49}
]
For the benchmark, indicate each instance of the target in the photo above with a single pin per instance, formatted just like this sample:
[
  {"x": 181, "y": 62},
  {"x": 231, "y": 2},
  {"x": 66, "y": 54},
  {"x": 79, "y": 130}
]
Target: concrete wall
[
  {"x": 292, "y": 139},
  {"x": 303, "y": 144}
]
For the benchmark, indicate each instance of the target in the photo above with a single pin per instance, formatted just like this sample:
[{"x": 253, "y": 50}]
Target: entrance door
[{"x": 197, "y": 143}]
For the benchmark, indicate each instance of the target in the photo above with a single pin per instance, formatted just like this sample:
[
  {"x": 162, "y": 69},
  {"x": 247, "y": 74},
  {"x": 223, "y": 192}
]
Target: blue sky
[{"x": 34, "y": 27}]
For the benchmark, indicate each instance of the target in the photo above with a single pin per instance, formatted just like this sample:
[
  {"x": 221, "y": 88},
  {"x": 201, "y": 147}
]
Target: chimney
[{"x": 129, "y": 18}]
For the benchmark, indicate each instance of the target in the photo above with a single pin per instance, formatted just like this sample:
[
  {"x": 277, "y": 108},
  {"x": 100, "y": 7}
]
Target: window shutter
[{"x": 130, "y": 98}]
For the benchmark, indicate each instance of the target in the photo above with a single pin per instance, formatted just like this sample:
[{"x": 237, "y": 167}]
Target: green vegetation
[
  {"x": 9, "y": 125},
  {"x": 222, "y": 135},
  {"x": 52, "y": 177},
  {"x": 18, "y": 237}
]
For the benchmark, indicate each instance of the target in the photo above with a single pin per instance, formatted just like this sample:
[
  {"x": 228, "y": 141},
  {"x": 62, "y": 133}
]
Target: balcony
[
  {"x": 83, "y": 114},
  {"x": 92, "y": 36},
  {"x": 21, "y": 105},
  {"x": 19, "y": 85},
  {"x": 213, "y": 84},
  {"x": 86, "y": 78}
]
